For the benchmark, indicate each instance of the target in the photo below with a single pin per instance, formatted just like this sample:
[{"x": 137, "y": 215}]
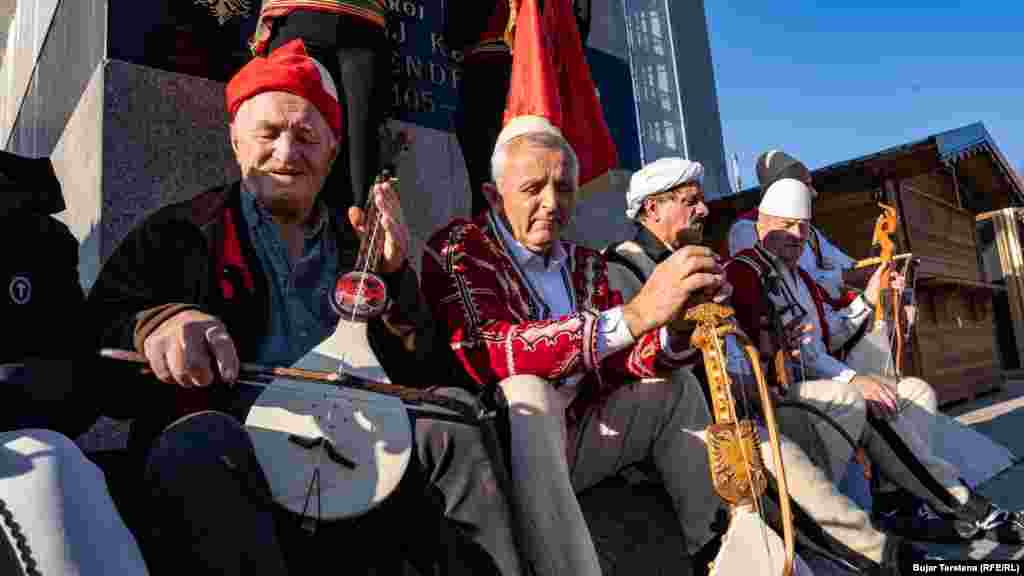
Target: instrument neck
[{"x": 371, "y": 246}]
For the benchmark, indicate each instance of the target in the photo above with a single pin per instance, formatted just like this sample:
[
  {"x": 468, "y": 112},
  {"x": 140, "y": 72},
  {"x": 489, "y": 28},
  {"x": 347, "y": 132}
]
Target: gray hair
[{"x": 545, "y": 140}]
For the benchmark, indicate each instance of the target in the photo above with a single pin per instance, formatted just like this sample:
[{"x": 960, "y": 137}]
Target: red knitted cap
[{"x": 287, "y": 69}]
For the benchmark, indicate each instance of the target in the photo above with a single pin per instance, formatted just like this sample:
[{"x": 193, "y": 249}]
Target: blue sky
[{"x": 833, "y": 80}]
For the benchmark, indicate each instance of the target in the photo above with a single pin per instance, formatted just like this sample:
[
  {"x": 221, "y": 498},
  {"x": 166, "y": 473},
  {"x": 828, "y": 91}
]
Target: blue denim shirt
[{"x": 300, "y": 313}]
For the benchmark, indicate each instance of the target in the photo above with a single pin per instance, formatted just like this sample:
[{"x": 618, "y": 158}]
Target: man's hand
[
  {"x": 796, "y": 335},
  {"x": 689, "y": 276},
  {"x": 880, "y": 399},
  {"x": 392, "y": 221},
  {"x": 875, "y": 283},
  {"x": 184, "y": 349},
  {"x": 897, "y": 282}
]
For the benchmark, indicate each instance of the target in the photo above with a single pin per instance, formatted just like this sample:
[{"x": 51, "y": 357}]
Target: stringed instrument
[
  {"x": 882, "y": 348},
  {"x": 332, "y": 445},
  {"x": 304, "y": 432},
  {"x": 737, "y": 469}
]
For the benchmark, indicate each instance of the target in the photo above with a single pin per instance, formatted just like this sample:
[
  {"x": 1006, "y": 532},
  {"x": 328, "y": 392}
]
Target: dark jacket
[
  {"x": 42, "y": 343},
  {"x": 198, "y": 255}
]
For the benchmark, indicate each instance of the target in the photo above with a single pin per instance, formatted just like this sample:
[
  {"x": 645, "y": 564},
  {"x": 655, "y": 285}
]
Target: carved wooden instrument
[
  {"x": 737, "y": 469},
  {"x": 885, "y": 227}
]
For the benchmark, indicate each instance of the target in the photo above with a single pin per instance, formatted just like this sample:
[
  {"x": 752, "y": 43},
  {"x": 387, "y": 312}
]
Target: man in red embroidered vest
[
  {"x": 533, "y": 314},
  {"x": 774, "y": 296},
  {"x": 246, "y": 271}
]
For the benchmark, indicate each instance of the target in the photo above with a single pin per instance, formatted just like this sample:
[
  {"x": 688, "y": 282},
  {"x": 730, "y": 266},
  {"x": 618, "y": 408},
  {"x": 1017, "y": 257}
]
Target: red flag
[{"x": 551, "y": 78}]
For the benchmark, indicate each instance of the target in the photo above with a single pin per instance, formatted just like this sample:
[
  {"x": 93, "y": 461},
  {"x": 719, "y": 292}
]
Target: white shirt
[
  {"x": 743, "y": 235},
  {"x": 815, "y": 363}
]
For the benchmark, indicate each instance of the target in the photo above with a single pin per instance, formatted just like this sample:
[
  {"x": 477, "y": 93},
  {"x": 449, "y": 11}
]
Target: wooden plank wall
[
  {"x": 940, "y": 233},
  {"x": 953, "y": 343}
]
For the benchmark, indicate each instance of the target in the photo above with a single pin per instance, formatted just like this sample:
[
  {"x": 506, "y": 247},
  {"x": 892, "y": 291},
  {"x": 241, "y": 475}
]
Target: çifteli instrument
[{"x": 331, "y": 433}]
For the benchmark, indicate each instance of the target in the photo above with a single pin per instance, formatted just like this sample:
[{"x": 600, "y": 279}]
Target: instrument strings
[{"x": 756, "y": 500}]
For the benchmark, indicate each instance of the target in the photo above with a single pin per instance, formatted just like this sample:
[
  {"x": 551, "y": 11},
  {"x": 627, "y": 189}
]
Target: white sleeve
[
  {"x": 826, "y": 366},
  {"x": 844, "y": 323},
  {"x": 742, "y": 235},
  {"x": 612, "y": 333}
]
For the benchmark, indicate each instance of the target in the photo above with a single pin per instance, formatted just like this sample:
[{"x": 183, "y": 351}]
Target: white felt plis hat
[
  {"x": 660, "y": 176},
  {"x": 787, "y": 198},
  {"x": 521, "y": 125}
]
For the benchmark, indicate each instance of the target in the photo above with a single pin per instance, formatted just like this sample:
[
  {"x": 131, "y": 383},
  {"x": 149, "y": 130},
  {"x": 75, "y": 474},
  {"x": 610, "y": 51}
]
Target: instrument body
[
  {"x": 371, "y": 430},
  {"x": 737, "y": 470},
  {"x": 363, "y": 418}
]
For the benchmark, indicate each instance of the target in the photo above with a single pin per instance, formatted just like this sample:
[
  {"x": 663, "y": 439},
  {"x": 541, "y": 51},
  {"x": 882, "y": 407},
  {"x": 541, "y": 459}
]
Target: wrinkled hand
[
  {"x": 796, "y": 335},
  {"x": 897, "y": 281},
  {"x": 396, "y": 234},
  {"x": 880, "y": 399},
  {"x": 875, "y": 283},
  {"x": 184, "y": 349},
  {"x": 689, "y": 277}
]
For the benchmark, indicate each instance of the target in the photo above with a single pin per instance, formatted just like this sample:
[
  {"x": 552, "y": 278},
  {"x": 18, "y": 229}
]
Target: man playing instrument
[
  {"x": 534, "y": 315},
  {"x": 781, "y": 304},
  {"x": 666, "y": 201},
  {"x": 244, "y": 271}
]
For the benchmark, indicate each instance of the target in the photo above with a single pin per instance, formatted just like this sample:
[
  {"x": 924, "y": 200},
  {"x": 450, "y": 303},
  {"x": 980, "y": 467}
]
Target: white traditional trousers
[
  {"x": 663, "y": 423},
  {"x": 60, "y": 503}
]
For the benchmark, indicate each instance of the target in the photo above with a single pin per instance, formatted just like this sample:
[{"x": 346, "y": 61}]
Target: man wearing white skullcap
[
  {"x": 666, "y": 201},
  {"x": 779, "y": 304},
  {"x": 827, "y": 264}
]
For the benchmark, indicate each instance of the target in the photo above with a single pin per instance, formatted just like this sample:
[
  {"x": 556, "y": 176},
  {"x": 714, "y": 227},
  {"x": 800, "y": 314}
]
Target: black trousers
[
  {"x": 482, "y": 97},
  {"x": 357, "y": 55},
  {"x": 205, "y": 517}
]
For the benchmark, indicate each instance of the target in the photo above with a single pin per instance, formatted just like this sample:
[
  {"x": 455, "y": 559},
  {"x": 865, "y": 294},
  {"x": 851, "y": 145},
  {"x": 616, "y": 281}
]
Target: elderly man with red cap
[
  {"x": 778, "y": 303},
  {"x": 244, "y": 271},
  {"x": 350, "y": 38}
]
